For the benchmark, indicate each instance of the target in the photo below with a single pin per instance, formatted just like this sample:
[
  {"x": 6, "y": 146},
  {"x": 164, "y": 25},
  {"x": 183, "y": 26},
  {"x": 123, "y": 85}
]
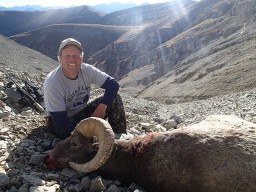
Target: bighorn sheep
[{"x": 218, "y": 154}]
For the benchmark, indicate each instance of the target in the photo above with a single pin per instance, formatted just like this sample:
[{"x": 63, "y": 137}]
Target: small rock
[
  {"x": 33, "y": 180},
  {"x": 71, "y": 173},
  {"x": 75, "y": 187},
  {"x": 37, "y": 159},
  {"x": 53, "y": 188},
  {"x": 46, "y": 145},
  {"x": 4, "y": 180},
  {"x": 147, "y": 126},
  {"x": 113, "y": 188},
  {"x": 27, "y": 113},
  {"x": 170, "y": 124},
  {"x": 85, "y": 183},
  {"x": 24, "y": 188},
  {"x": 3, "y": 144},
  {"x": 97, "y": 185},
  {"x": 52, "y": 176},
  {"x": 4, "y": 131}
]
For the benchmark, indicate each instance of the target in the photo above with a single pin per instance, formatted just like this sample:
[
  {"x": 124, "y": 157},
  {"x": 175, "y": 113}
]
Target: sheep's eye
[{"x": 74, "y": 144}]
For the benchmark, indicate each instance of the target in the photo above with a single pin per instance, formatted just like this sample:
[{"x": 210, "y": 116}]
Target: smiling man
[{"x": 67, "y": 93}]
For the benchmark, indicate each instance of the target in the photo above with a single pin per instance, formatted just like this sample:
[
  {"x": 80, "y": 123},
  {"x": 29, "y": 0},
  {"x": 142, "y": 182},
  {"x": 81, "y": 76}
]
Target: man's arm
[
  {"x": 111, "y": 87},
  {"x": 63, "y": 125}
]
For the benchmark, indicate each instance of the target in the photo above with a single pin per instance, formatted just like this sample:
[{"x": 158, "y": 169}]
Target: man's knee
[
  {"x": 118, "y": 98},
  {"x": 117, "y": 102},
  {"x": 116, "y": 115}
]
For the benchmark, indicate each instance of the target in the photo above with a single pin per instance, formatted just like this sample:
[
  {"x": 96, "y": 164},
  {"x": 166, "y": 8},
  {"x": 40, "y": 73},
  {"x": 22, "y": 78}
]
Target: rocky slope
[
  {"x": 24, "y": 140},
  {"x": 207, "y": 51},
  {"x": 177, "y": 52},
  {"x": 22, "y": 58},
  {"x": 224, "y": 66}
]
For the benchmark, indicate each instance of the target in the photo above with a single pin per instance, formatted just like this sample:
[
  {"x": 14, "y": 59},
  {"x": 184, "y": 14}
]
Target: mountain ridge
[
  {"x": 106, "y": 7},
  {"x": 16, "y": 22}
]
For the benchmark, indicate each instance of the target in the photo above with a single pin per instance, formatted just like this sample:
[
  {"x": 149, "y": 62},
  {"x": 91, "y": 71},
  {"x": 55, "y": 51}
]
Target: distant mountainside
[
  {"x": 94, "y": 37},
  {"x": 28, "y": 8},
  {"x": 106, "y": 7},
  {"x": 15, "y": 22},
  {"x": 140, "y": 15},
  {"x": 113, "y": 7},
  {"x": 168, "y": 52}
]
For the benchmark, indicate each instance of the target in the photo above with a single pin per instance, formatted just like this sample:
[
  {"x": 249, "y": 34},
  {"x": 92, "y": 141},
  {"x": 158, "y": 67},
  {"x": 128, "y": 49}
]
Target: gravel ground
[
  {"x": 241, "y": 104},
  {"x": 24, "y": 142}
]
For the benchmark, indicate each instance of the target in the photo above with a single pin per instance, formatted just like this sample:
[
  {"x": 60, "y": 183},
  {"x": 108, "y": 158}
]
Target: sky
[{"x": 65, "y": 3}]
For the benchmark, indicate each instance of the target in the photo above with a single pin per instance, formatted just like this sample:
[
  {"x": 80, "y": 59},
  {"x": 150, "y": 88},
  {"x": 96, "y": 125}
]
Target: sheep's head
[{"x": 76, "y": 150}]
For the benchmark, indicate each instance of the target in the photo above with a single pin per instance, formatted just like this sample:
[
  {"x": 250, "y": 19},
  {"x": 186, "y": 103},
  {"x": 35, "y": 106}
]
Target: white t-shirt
[{"x": 64, "y": 94}]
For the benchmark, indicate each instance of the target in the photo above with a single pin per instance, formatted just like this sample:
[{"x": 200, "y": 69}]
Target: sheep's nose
[{"x": 51, "y": 162}]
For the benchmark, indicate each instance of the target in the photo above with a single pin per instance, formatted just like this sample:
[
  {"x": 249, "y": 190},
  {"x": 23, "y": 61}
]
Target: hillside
[
  {"x": 209, "y": 50},
  {"x": 94, "y": 37},
  {"x": 168, "y": 52},
  {"x": 17, "y": 57},
  {"x": 15, "y": 22}
]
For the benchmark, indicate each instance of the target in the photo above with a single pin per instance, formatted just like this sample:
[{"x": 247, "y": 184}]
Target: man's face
[{"x": 71, "y": 59}]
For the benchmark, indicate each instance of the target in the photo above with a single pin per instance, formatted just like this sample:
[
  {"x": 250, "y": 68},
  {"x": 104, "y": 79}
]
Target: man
[{"x": 67, "y": 92}]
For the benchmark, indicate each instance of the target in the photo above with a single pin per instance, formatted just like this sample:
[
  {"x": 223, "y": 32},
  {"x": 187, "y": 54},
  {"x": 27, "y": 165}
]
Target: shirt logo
[
  {"x": 84, "y": 100},
  {"x": 79, "y": 91}
]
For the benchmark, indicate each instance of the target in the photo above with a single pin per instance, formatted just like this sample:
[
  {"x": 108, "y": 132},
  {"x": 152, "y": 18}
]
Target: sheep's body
[{"x": 218, "y": 154}]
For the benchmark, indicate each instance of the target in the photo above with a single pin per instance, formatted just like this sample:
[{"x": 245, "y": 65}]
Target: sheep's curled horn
[{"x": 100, "y": 128}]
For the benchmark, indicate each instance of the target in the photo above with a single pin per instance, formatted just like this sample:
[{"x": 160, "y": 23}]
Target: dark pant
[{"x": 115, "y": 115}]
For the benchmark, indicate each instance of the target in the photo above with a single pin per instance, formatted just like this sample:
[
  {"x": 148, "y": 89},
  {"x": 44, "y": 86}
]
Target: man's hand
[{"x": 100, "y": 111}]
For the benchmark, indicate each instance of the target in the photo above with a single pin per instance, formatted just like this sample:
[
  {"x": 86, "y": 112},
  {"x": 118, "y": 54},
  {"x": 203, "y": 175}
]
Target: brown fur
[{"x": 217, "y": 155}]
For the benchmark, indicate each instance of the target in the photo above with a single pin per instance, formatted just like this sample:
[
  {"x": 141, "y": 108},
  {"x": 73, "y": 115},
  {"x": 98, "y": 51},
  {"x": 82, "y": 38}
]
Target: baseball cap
[{"x": 70, "y": 41}]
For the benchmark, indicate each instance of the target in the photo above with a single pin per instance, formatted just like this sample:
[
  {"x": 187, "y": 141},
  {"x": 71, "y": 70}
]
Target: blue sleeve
[
  {"x": 111, "y": 87},
  {"x": 63, "y": 125}
]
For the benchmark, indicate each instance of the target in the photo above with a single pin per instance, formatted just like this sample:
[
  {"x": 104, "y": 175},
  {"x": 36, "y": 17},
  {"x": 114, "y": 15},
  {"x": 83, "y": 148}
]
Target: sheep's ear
[{"x": 95, "y": 147}]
